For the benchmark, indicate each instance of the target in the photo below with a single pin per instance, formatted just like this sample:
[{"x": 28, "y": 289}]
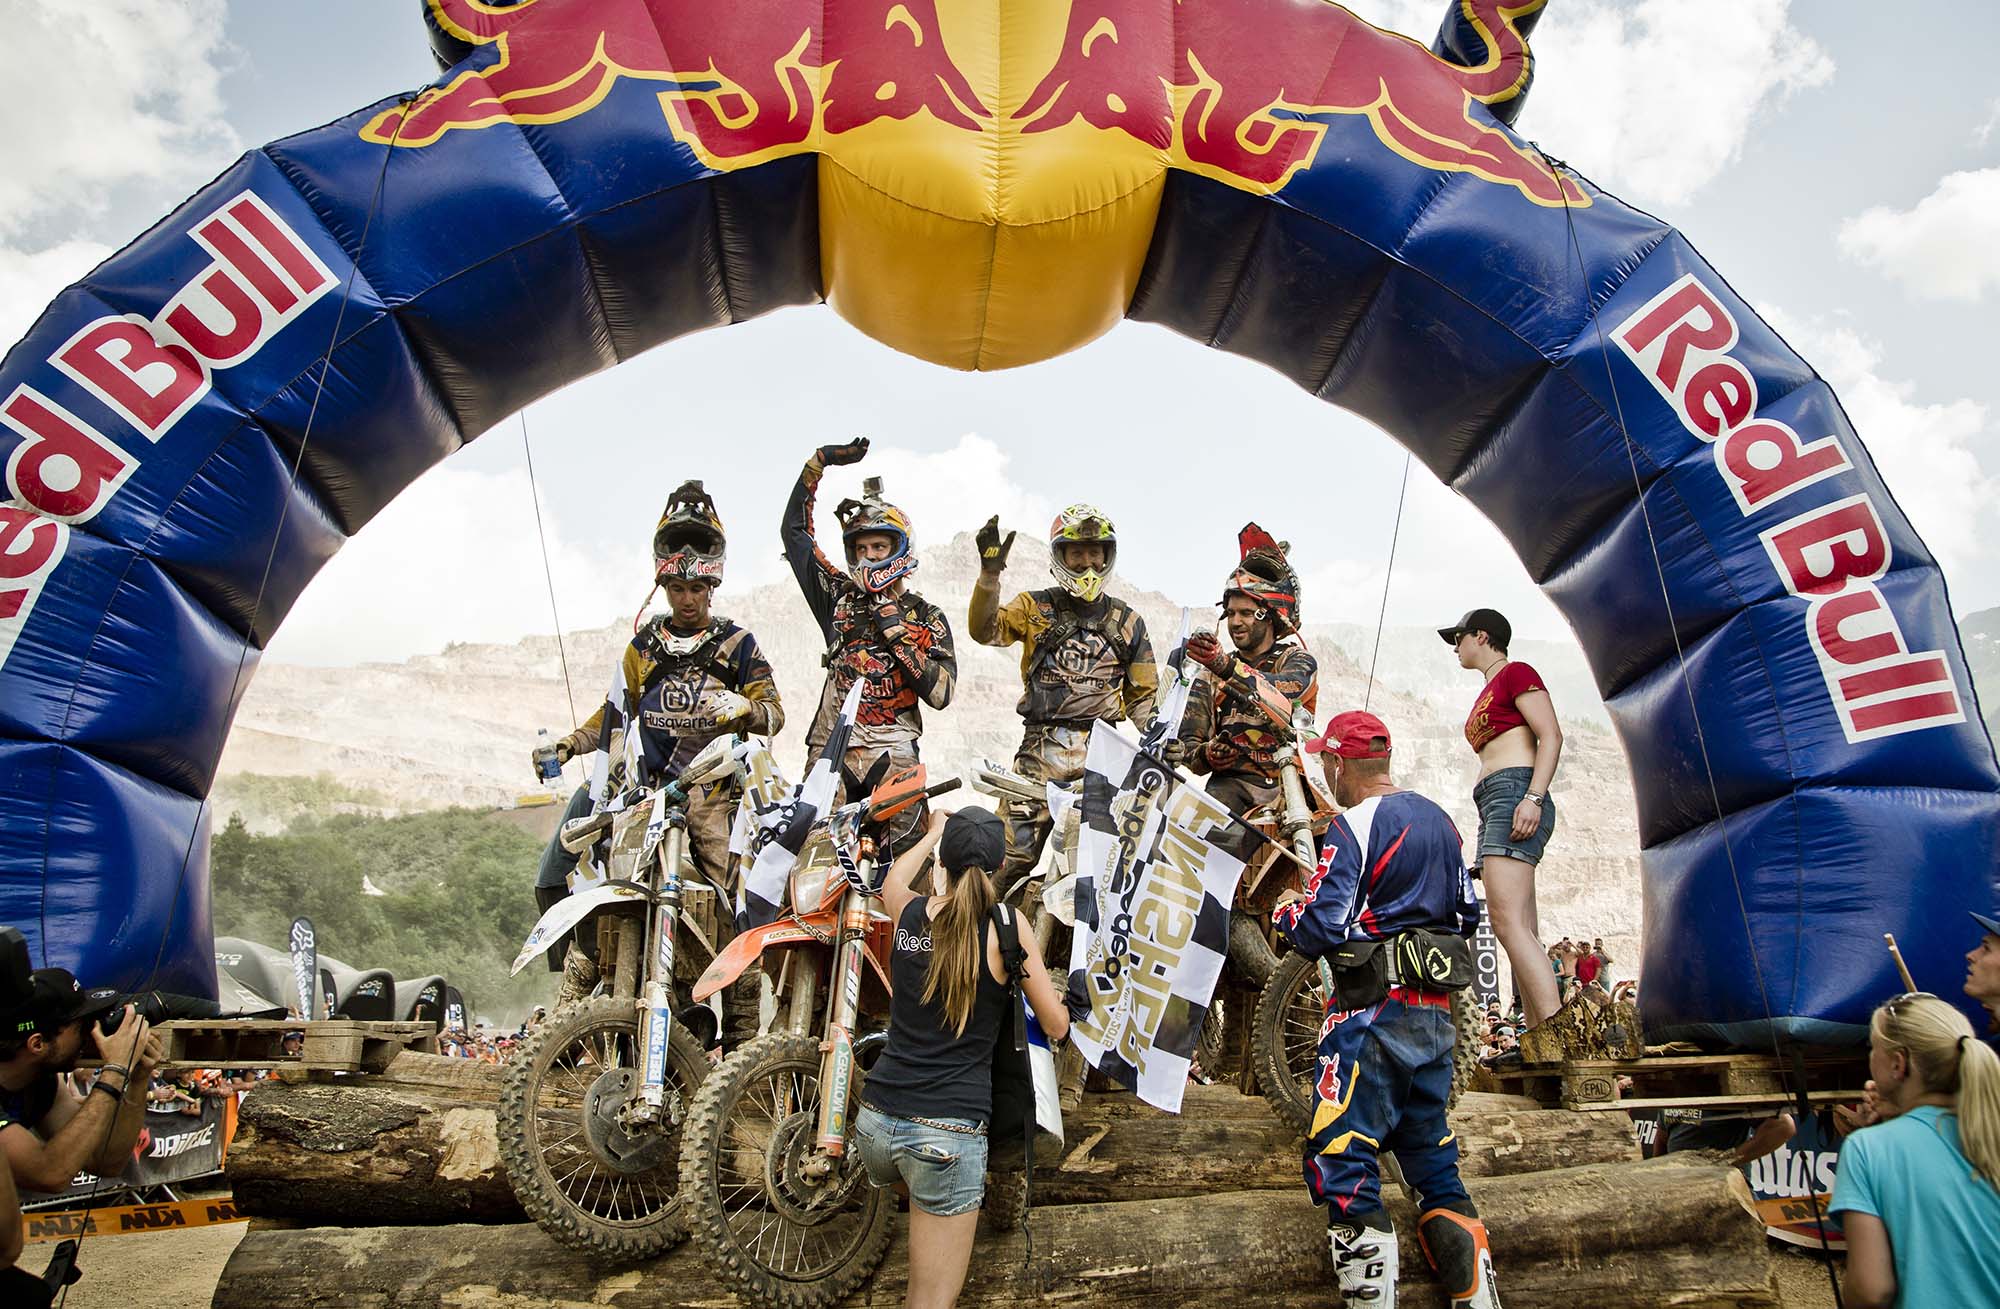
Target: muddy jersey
[
  {"x": 664, "y": 691},
  {"x": 1078, "y": 662},
  {"x": 1217, "y": 712},
  {"x": 917, "y": 668}
]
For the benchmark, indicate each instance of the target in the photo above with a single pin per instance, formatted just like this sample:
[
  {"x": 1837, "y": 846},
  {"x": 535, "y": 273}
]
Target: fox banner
[
  {"x": 1155, "y": 878},
  {"x": 305, "y": 968}
]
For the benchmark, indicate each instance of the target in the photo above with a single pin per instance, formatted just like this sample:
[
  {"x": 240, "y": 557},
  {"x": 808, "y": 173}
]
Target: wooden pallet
[
  {"x": 1686, "y": 1081},
  {"x": 331, "y": 1045}
]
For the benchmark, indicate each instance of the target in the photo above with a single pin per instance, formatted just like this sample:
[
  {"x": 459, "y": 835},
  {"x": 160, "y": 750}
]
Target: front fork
[
  {"x": 656, "y": 1011},
  {"x": 836, "y": 1072},
  {"x": 1295, "y": 822}
]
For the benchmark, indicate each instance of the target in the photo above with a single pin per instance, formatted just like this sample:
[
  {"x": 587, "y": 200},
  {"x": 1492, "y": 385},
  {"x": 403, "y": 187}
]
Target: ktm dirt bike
[
  {"x": 780, "y": 1206},
  {"x": 594, "y": 1102}
]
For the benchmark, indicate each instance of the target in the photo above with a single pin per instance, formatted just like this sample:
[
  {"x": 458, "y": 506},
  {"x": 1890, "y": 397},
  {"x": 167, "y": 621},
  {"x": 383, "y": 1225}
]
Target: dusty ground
[
  {"x": 172, "y": 1269},
  {"x": 1802, "y": 1280}
]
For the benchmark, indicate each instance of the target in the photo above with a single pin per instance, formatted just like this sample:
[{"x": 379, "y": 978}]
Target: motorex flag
[
  {"x": 774, "y": 830},
  {"x": 1156, "y": 875}
]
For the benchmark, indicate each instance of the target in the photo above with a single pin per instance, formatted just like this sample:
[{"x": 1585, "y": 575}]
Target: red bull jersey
[{"x": 1391, "y": 863}]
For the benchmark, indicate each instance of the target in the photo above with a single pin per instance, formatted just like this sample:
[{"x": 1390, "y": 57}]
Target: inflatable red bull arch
[{"x": 985, "y": 184}]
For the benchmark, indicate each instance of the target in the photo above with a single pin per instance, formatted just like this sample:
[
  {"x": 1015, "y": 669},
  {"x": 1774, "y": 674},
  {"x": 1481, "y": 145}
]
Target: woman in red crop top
[{"x": 1513, "y": 730}]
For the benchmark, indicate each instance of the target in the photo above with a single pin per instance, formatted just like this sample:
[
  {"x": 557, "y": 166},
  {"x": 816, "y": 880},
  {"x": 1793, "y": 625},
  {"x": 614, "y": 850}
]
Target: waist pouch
[
  {"x": 1363, "y": 971},
  {"x": 1433, "y": 961}
]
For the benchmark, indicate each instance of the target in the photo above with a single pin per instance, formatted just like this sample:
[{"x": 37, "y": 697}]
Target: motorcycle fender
[
  {"x": 740, "y": 953},
  {"x": 567, "y": 913}
]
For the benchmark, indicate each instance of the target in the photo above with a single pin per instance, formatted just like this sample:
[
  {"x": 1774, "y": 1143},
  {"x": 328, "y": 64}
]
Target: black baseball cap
[
  {"x": 1992, "y": 925},
  {"x": 973, "y": 837},
  {"x": 55, "y": 998},
  {"x": 1490, "y": 621}
]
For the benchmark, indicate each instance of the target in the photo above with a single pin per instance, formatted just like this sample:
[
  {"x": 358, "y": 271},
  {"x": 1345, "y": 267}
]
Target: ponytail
[
  {"x": 1979, "y": 1107},
  {"x": 958, "y": 945},
  {"x": 1946, "y": 1058}
]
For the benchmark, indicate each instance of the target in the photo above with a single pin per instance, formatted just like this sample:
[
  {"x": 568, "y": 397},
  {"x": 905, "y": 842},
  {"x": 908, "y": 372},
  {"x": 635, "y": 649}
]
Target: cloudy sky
[{"x": 1840, "y": 164}]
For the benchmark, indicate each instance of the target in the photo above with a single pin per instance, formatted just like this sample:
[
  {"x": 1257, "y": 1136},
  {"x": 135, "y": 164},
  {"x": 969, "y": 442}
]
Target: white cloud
[
  {"x": 30, "y": 279},
  {"x": 454, "y": 558},
  {"x": 1653, "y": 101},
  {"x": 946, "y": 492},
  {"x": 102, "y": 93},
  {"x": 1945, "y": 248},
  {"x": 1984, "y": 132},
  {"x": 1925, "y": 451}
]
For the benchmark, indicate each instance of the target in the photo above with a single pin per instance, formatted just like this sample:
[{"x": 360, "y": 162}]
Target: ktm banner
[{"x": 123, "y": 1220}]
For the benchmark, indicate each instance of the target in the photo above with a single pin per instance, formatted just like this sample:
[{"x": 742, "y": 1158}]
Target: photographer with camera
[{"x": 47, "y": 1134}]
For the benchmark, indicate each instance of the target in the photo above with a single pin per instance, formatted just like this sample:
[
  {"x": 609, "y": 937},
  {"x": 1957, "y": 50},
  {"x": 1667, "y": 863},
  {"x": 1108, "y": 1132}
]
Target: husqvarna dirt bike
[
  {"x": 779, "y": 1204},
  {"x": 594, "y": 1102}
]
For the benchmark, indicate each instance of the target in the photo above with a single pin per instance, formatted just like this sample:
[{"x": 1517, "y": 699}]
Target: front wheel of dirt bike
[
  {"x": 592, "y": 1178},
  {"x": 1284, "y": 1040},
  {"x": 773, "y": 1220}
]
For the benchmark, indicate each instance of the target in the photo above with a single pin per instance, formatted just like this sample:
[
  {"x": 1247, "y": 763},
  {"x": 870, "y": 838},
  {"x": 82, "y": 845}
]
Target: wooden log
[
  {"x": 416, "y": 1145},
  {"x": 1638, "y": 1236}
]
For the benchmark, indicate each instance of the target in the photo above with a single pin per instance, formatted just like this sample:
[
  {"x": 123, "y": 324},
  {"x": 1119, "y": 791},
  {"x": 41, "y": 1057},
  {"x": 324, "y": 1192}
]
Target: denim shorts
[
  {"x": 945, "y": 1170},
  {"x": 1496, "y": 796}
]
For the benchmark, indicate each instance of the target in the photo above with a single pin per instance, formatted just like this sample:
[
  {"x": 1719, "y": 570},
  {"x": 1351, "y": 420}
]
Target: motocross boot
[
  {"x": 579, "y": 979},
  {"x": 1364, "y": 1259},
  {"x": 1455, "y": 1245}
]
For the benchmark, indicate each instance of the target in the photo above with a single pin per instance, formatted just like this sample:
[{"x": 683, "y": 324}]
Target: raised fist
[
  {"x": 831, "y": 456},
  {"x": 992, "y": 549},
  {"x": 1205, "y": 650}
]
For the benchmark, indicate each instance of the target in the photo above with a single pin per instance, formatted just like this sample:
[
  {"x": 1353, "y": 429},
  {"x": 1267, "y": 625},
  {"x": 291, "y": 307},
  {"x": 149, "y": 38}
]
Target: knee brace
[{"x": 1455, "y": 1246}]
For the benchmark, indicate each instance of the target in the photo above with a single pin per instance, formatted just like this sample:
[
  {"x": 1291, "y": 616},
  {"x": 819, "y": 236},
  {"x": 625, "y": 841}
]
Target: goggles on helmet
[
  {"x": 871, "y": 513},
  {"x": 689, "y": 544}
]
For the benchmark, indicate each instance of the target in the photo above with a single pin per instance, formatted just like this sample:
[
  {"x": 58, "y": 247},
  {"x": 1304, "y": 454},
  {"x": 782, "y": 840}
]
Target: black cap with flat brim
[{"x": 1490, "y": 621}]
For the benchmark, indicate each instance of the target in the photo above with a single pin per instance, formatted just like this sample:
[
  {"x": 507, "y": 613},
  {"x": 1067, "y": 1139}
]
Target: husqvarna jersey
[{"x": 666, "y": 675}]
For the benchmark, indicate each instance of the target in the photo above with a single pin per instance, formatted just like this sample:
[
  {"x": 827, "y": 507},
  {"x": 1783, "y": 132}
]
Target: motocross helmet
[
  {"x": 1075, "y": 525},
  {"x": 1265, "y": 575},
  {"x": 871, "y": 513},
  {"x": 688, "y": 543}
]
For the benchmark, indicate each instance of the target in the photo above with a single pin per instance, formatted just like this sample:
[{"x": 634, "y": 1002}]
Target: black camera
[{"x": 158, "y": 1007}]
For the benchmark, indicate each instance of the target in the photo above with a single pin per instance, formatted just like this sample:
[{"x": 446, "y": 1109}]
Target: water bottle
[{"x": 547, "y": 766}]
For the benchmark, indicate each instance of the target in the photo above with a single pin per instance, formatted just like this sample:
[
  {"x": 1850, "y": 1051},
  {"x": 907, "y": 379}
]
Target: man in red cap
[{"x": 1391, "y": 910}]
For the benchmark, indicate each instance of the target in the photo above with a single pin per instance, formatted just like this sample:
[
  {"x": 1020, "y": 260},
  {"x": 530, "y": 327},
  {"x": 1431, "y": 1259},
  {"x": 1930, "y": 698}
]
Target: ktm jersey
[
  {"x": 918, "y": 668},
  {"x": 1216, "y": 711},
  {"x": 1391, "y": 863}
]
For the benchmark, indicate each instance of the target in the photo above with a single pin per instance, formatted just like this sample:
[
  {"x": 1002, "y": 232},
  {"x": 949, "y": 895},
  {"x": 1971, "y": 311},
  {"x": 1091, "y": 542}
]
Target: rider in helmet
[
  {"x": 688, "y": 677},
  {"x": 1084, "y": 656},
  {"x": 876, "y": 630},
  {"x": 1225, "y": 733}
]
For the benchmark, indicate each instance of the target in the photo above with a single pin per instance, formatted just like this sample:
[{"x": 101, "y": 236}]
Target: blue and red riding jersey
[{"x": 1391, "y": 863}]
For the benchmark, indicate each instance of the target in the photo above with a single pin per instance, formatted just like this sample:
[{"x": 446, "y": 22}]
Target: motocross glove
[
  {"x": 1205, "y": 650},
  {"x": 1220, "y": 754},
  {"x": 992, "y": 549},
  {"x": 725, "y": 707},
  {"x": 850, "y": 452}
]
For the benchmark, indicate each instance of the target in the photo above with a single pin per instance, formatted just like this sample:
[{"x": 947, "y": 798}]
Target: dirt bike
[
  {"x": 594, "y": 1102},
  {"x": 780, "y": 1206}
]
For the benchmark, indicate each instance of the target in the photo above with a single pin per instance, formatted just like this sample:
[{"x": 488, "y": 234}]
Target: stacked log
[
  {"x": 1636, "y": 1235},
  {"x": 415, "y": 1145}
]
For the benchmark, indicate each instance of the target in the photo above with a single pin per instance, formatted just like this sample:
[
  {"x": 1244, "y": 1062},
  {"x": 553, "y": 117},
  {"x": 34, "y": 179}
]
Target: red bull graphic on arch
[{"x": 590, "y": 178}]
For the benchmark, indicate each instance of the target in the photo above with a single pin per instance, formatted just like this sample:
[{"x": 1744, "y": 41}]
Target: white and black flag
[
  {"x": 770, "y": 831},
  {"x": 1157, "y": 872}
]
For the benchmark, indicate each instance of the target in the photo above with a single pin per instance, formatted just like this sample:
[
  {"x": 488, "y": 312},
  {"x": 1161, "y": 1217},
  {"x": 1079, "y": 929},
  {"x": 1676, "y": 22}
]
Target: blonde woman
[{"x": 1918, "y": 1194}]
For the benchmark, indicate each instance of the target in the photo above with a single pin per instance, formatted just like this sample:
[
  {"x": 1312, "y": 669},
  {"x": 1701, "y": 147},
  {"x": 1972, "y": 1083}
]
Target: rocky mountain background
[{"x": 455, "y": 728}]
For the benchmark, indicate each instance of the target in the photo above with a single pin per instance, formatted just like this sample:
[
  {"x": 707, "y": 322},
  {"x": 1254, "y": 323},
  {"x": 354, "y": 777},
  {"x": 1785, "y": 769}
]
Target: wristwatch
[{"x": 1530, "y": 795}]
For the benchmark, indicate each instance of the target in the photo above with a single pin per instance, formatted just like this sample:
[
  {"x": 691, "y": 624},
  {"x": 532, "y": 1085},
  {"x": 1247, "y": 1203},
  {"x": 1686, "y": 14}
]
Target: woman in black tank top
[{"x": 927, "y": 1101}]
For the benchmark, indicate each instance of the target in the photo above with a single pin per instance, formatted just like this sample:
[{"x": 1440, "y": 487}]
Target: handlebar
[{"x": 890, "y": 808}]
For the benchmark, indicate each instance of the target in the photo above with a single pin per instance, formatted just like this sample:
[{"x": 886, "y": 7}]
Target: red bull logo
[{"x": 1242, "y": 92}]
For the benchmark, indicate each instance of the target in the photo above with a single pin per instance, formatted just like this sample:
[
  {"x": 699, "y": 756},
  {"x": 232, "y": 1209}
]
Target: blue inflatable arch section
[{"x": 151, "y": 418}]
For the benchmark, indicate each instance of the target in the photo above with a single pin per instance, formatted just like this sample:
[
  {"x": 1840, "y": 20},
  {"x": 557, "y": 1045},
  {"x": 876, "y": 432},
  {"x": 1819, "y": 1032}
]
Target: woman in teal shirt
[{"x": 1919, "y": 1194}]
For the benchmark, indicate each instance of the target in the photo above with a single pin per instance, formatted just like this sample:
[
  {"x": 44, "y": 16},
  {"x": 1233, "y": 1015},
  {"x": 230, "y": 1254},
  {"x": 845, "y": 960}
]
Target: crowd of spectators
[
  {"x": 1581, "y": 969},
  {"x": 484, "y": 1043}
]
